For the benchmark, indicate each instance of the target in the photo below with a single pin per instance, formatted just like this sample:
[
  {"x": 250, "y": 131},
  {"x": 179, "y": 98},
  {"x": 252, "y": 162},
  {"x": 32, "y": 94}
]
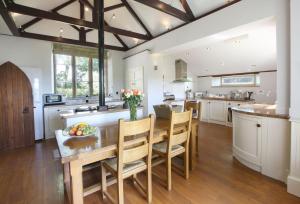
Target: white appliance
[{"x": 35, "y": 76}]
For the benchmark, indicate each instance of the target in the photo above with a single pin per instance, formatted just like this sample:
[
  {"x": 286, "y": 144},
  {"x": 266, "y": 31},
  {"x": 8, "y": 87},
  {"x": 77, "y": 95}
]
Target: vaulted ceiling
[{"x": 128, "y": 23}]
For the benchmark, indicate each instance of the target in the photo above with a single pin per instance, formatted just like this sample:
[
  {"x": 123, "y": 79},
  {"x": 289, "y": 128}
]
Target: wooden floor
[{"x": 34, "y": 176}]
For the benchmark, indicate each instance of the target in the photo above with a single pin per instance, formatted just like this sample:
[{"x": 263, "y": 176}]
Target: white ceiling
[
  {"x": 156, "y": 21},
  {"x": 247, "y": 48}
]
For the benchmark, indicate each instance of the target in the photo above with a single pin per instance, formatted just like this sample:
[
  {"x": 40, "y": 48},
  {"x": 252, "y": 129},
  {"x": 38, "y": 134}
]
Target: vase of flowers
[{"x": 133, "y": 98}]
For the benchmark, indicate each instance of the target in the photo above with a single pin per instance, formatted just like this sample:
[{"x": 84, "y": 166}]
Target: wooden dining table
[{"x": 79, "y": 152}]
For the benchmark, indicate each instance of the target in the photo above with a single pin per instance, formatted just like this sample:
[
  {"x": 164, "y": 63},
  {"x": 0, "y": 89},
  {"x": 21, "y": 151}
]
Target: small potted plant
[{"x": 133, "y": 98}]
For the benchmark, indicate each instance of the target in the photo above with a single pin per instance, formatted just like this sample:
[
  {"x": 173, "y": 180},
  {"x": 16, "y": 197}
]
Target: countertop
[
  {"x": 226, "y": 99},
  {"x": 83, "y": 104},
  {"x": 72, "y": 114},
  {"x": 263, "y": 110}
]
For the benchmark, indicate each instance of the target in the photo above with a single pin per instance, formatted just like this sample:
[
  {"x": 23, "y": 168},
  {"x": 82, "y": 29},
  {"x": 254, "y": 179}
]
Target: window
[
  {"x": 63, "y": 75},
  {"x": 77, "y": 76},
  {"x": 236, "y": 80}
]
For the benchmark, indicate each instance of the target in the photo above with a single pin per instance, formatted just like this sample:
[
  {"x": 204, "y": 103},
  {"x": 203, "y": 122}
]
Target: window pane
[
  {"x": 257, "y": 80},
  {"x": 82, "y": 76},
  {"x": 82, "y": 88},
  {"x": 95, "y": 76},
  {"x": 64, "y": 88},
  {"x": 63, "y": 76},
  {"x": 238, "y": 80},
  {"x": 216, "y": 81}
]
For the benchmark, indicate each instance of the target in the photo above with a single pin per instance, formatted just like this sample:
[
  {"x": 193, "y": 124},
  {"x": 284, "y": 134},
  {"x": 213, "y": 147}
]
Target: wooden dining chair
[
  {"x": 134, "y": 153},
  {"x": 177, "y": 143},
  {"x": 196, "y": 106}
]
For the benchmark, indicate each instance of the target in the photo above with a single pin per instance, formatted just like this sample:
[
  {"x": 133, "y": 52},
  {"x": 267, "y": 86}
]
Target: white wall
[
  {"x": 118, "y": 72},
  {"x": 166, "y": 69},
  {"x": 153, "y": 88},
  {"x": 241, "y": 13},
  {"x": 265, "y": 93},
  {"x": 30, "y": 54},
  {"x": 294, "y": 177}
]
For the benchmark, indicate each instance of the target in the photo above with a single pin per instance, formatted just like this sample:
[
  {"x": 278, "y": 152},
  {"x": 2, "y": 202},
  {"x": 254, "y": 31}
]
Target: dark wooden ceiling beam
[
  {"x": 87, "y": 3},
  {"x": 113, "y": 7},
  {"x": 56, "y": 9},
  {"x": 118, "y": 37},
  {"x": 8, "y": 19},
  {"x": 67, "y": 41},
  {"x": 187, "y": 8},
  {"x": 136, "y": 17},
  {"x": 25, "y": 10},
  {"x": 166, "y": 8}
]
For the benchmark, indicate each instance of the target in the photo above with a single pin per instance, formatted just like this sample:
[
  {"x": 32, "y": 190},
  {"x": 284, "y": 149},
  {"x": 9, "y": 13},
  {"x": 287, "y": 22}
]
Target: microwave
[{"x": 53, "y": 99}]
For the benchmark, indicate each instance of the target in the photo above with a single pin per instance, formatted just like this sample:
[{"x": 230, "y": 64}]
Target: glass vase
[{"x": 133, "y": 113}]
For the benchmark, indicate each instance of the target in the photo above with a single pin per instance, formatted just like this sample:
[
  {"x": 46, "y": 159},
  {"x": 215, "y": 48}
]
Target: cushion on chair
[
  {"x": 127, "y": 167},
  {"x": 162, "y": 147}
]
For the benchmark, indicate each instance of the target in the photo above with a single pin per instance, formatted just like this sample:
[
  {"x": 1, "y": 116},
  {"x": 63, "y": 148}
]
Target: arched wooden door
[{"x": 16, "y": 106}]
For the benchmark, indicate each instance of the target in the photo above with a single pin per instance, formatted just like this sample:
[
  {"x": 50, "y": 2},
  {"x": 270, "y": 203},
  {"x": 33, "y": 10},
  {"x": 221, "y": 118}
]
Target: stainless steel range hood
[{"x": 181, "y": 72}]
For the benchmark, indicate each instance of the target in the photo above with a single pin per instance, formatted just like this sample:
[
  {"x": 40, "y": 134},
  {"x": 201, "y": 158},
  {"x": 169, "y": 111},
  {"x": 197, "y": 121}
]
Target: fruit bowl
[{"x": 80, "y": 130}]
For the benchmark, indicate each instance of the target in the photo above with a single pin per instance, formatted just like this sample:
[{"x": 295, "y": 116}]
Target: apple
[
  {"x": 79, "y": 133},
  {"x": 71, "y": 132}
]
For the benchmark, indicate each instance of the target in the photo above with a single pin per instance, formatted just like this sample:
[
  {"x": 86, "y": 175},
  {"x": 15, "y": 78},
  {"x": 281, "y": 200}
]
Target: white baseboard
[{"x": 293, "y": 186}]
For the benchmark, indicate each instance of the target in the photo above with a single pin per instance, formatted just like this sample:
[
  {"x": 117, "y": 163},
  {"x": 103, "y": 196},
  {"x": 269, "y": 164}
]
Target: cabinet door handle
[{"x": 258, "y": 125}]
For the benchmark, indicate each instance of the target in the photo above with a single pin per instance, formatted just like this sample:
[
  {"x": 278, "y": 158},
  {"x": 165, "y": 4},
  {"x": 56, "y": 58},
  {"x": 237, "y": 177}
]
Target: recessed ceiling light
[
  {"x": 136, "y": 41},
  {"x": 208, "y": 48},
  {"x": 15, "y": 14},
  {"x": 61, "y": 32},
  {"x": 86, "y": 9}
]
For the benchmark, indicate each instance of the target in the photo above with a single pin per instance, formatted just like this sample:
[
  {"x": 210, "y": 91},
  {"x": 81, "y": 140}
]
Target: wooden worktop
[
  {"x": 226, "y": 99},
  {"x": 263, "y": 110}
]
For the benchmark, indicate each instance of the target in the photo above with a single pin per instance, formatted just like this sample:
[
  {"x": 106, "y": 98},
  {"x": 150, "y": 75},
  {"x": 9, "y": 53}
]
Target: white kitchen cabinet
[
  {"x": 262, "y": 144},
  {"x": 247, "y": 139},
  {"x": 217, "y": 112},
  {"x": 52, "y": 120},
  {"x": 204, "y": 110}
]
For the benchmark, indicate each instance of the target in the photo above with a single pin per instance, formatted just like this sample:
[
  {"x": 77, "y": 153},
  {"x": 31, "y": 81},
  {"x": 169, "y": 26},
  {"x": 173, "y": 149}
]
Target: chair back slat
[
  {"x": 136, "y": 127},
  {"x": 179, "y": 118},
  {"x": 180, "y": 138},
  {"x": 136, "y": 153}
]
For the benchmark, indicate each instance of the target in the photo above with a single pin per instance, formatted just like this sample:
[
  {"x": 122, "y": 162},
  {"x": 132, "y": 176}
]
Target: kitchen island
[
  {"x": 261, "y": 139},
  {"x": 98, "y": 118}
]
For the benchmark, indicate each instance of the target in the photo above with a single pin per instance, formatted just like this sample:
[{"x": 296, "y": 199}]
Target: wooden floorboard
[{"x": 34, "y": 176}]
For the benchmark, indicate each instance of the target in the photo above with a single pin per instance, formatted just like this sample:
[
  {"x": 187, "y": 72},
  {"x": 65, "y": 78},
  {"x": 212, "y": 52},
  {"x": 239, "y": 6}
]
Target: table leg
[
  {"x": 67, "y": 181},
  {"x": 193, "y": 146},
  {"x": 77, "y": 184}
]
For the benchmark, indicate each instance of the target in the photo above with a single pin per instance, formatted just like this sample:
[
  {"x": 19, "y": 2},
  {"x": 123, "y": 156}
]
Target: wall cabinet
[{"x": 262, "y": 144}]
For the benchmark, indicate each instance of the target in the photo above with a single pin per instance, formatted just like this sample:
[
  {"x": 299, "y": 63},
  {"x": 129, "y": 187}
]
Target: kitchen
[{"x": 236, "y": 71}]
